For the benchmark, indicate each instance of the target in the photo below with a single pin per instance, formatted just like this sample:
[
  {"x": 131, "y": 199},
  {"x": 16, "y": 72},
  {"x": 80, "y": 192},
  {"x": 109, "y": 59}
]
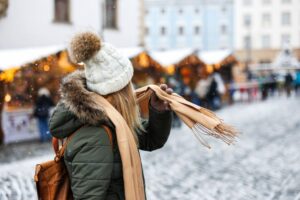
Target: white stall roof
[
  {"x": 170, "y": 57},
  {"x": 17, "y": 57},
  {"x": 214, "y": 57},
  {"x": 131, "y": 52}
]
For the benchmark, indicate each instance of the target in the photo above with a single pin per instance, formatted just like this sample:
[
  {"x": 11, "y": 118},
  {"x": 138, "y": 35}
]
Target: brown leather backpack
[{"x": 51, "y": 177}]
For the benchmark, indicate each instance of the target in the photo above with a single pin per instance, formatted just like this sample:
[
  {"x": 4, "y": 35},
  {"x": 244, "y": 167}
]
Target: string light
[
  {"x": 170, "y": 69},
  {"x": 143, "y": 60},
  {"x": 209, "y": 69},
  {"x": 8, "y": 75},
  {"x": 46, "y": 68},
  {"x": 7, "y": 98},
  {"x": 217, "y": 66}
]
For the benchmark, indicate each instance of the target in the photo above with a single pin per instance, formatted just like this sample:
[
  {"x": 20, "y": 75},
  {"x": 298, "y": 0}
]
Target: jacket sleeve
[
  {"x": 89, "y": 158},
  {"x": 156, "y": 130}
]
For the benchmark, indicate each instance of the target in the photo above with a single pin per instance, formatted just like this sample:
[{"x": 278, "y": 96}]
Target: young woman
[{"x": 92, "y": 158}]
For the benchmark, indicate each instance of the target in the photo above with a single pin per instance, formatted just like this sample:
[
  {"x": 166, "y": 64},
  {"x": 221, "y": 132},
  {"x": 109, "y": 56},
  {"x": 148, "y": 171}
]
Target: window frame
[
  {"x": 283, "y": 19},
  {"x": 224, "y": 29},
  {"x": 115, "y": 24},
  {"x": 180, "y": 30},
  {"x": 285, "y": 38},
  {"x": 57, "y": 18},
  {"x": 163, "y": 31},
  {"x": 266, "y": 19},
  {"x": 286, "y": 1},
  {"x": 248, "y": 22},
  {"x": 197, "y": 30},
  {"x": 247, "y": 2},
  {"x": 264, "y": 44}
]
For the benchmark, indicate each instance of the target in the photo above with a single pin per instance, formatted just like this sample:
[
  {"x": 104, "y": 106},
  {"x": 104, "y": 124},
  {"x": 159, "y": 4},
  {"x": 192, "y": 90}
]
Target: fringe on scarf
[{"x": 207, "y": 125}]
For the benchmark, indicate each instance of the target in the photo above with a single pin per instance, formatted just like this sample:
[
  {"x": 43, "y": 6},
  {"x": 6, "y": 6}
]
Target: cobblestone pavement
[{"x": 263, "y": 165}]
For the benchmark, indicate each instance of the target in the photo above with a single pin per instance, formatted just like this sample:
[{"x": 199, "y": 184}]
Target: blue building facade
[{"x": 198, "y": 24}]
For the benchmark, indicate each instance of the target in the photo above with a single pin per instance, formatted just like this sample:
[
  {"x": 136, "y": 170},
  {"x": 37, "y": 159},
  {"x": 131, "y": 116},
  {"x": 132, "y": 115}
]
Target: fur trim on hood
[{"x": 78, "y": 100}]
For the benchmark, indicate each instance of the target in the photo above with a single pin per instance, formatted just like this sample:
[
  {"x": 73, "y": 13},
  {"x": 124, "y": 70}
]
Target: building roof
[
  {"x": 131, "y": 52},
  {"x": 214, "y": 57},
  {"x": 170, "y": 57}
]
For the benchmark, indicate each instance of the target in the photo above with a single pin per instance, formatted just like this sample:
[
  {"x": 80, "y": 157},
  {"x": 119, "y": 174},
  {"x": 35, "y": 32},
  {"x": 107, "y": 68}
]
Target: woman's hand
[{"x": 158, "y": 104}]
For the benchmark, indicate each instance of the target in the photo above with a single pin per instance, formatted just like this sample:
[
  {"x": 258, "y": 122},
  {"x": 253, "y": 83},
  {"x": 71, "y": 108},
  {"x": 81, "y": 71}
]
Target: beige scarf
[{"x": 199, "y": 119}]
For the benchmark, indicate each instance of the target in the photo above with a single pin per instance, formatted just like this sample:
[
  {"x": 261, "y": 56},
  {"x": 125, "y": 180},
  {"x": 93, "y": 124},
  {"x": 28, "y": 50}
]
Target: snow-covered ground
[{"x": 263, "y": 165}]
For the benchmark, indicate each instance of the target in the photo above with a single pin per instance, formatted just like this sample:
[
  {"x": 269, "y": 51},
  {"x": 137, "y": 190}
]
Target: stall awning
[
  {"x": 131, "y": 52},
  {"x": 170, "y": 57},
  {"x": 214, "y": 57},
  {"x": 17, "y": 57}
]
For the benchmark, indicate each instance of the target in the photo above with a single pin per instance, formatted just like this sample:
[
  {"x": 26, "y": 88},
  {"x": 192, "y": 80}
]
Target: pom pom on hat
[{"x": 84, "y": 46}]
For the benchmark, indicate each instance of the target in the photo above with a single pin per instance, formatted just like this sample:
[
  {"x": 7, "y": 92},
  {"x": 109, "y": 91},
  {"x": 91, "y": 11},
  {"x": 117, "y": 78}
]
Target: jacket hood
[{"x": 76, "y": 108}]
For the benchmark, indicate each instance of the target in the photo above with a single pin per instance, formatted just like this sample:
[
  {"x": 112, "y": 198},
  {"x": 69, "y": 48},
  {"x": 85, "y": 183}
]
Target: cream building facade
[{"x": 262, "y": 27}]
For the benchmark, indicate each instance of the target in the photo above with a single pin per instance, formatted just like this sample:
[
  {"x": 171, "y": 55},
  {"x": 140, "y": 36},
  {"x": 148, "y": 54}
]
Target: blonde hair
[{"x": 125, "y": 102}]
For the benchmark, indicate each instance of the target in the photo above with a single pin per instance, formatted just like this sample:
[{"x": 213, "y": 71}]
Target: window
[
  {"x": 111, "y": 14},
  {"x": 3, "y": 8},
  {"x": 247, "y": 42},
  {"x": 223, "y": 29},
  {"x": 265, "y": 61},
  {"x": 266, "y": 41},
  {"x": 180, "y": 30},
  {"x": 197, "y": 30},
  {"x": 146, "y": 31},
  {"x": 286, "y": 1},
  {"x": 163, "y": 30},
  {"x": 286, "y": 18},
  {"x": 61, "y": 8},
  {"x": 285, "y": 39},
  {"x": 247, "y": 20},
  {"x": 266, "y": 19},
  {"x": 247, "y": 2},
  {"x": 224, "y": 10}
]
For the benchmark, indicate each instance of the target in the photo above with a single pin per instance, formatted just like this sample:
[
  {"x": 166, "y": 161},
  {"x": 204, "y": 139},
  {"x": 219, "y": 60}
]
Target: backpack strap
[{"x": 59, "y": 152}]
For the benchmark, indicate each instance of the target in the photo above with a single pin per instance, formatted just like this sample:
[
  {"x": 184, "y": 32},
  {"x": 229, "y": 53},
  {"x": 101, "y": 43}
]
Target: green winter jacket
[{"x": 93, "y": 162}]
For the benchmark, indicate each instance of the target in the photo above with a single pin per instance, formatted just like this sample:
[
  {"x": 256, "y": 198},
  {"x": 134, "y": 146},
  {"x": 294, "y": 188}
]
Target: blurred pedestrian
[
  {"x": 221, "y": 90},
  {"x": 273, "y": 84},
  {"x": 262, "y": 79},
  {"x": 176, "y": 86},
  {"x": 202, "y": 89},
  {"x": 297, "y": 83},
  {"x": 288, "y": 83},
  {"x": 213, "y": 96},
  {"x": 41, "y": 112},
  {"x": 231, "y": 91}
]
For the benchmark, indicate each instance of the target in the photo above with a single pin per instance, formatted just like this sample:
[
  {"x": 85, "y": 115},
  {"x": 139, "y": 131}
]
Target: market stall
[
  {"x": 24, "y": 71},
  {"x": 182, "y": 64},
  {"x": 224, "y": 63},
  {"x": 221, "y": 61},
  {"x": 146, "y": 69}
]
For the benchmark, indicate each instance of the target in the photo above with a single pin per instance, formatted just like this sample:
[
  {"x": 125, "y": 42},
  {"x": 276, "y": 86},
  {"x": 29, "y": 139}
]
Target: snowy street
[{"x": 264, "y": 164}]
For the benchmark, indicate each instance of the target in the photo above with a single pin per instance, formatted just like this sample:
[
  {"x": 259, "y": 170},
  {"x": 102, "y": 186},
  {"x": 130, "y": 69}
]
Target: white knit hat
[{"x": 106, "y": 69}]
